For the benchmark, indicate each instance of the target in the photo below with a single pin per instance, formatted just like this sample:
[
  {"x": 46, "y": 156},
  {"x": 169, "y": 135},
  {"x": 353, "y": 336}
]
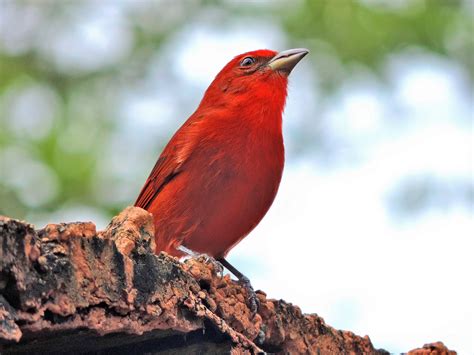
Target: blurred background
[{"x": 373, "y": 226}]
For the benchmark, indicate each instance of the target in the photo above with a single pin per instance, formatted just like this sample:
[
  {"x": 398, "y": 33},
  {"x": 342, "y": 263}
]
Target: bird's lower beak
[{"x": 285, "y": 61}]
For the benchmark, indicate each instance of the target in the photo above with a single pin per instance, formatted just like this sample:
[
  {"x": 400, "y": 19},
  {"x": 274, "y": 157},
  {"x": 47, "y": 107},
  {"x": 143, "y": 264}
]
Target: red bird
[{"x": 219, "y": 174}]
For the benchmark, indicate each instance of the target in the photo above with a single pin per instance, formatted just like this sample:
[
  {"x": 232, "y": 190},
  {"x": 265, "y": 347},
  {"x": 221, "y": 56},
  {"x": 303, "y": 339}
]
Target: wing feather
[{"x": 176, "y": 153}]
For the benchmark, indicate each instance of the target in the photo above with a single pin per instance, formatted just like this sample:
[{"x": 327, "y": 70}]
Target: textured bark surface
[
  {"x": 68, "y": 288},
  {"x": 437, "y": 348}
]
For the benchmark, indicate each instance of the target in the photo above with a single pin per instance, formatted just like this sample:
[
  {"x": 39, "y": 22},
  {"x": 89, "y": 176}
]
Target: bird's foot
[
  {"x": 252, "y": 296},
  {"x": 244, "y": 281},
  {"x": 204, "y": 258}
]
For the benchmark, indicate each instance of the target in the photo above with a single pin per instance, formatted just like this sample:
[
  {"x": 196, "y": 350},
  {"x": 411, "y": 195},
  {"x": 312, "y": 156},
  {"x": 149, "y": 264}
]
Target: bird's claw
[
  {"x": 206, "y": 259},
  {"x": 252, "y": 296}
]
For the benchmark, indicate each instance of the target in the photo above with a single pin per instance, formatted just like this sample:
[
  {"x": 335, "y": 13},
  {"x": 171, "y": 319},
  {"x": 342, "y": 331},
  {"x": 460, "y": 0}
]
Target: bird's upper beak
[{"x": 285, "y": 61}]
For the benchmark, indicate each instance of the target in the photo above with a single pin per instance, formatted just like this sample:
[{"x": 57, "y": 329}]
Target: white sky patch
[
  {"x": 439, "y": 148},
  {"x": 144, "y": 110},
  {"x": 71, "y": 212},
  {"x": 18, "y": 26},
  {"x": 430, "y": 87},
  {"x": 357, "y": 115},
  {"x": 94, "y": 37},
  {"x": 24, "y": 173},
  {"x": 365, "y": 112},
  {"x": 22, "y": 101}
]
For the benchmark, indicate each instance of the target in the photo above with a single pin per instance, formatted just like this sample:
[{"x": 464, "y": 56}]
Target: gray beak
[{"x": 285, "y": 61}]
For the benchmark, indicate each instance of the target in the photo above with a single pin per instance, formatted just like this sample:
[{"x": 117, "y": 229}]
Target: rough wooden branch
[{"x": 70, "y": 289}]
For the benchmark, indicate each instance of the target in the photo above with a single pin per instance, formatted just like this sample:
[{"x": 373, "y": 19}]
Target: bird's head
[{"x": 254, "y": 76}]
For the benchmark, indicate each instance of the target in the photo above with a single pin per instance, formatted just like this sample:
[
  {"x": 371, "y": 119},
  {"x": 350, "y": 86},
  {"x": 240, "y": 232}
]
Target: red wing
[
  {"x": 169, "y": 164},
  {"x": 159, "y": 177}
]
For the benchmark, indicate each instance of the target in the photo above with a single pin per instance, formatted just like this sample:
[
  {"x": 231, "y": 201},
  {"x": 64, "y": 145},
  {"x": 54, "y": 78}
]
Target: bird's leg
[
  {"x": 253, "y": 300},
  {"x": 219, "y": 264},
  {"x": 207, "y": 259},
  {"x": 187, "y": 251}
]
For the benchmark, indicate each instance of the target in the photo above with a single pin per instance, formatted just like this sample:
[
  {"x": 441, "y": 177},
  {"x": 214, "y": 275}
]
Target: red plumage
[{"x": 219, "y": 174}]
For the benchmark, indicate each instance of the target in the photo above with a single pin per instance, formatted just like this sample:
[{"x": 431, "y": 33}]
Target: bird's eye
[{"x": 247, "y": 61}]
